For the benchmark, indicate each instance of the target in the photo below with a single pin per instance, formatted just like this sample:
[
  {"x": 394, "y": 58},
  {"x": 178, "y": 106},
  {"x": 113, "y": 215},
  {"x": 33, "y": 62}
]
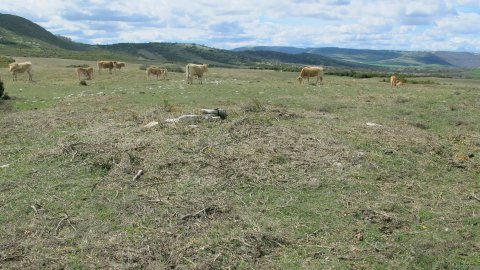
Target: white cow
[
  {"x": 311, "y": 72},
  {"x": 16, "y": 68},
  {"x": 195, "y": 70}
]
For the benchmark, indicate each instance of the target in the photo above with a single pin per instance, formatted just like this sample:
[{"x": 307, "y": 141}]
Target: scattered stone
[
  {"x": 151, "y": 124},
  {"x": 139, "y": 173},
  {"x": 370, "y": 124},
  {"x": 191, "y": 117},
  {"x": 216, "y": 112}
]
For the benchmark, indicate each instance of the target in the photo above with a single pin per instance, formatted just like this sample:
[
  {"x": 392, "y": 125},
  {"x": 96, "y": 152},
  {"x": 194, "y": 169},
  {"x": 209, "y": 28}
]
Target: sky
[{"x": 422, "y": 25}]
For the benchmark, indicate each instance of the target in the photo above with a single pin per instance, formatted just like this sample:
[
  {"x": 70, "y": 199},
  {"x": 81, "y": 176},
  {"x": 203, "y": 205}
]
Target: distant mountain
[
  {"x": 21, "y": 37},
  {"x": 305, "y": 59},
  {"x": 460, "y": 59},
  {"x": 383, "y": 58},
  {"x": 175, "y": 52},
  {"x": 282, "y": 49}
]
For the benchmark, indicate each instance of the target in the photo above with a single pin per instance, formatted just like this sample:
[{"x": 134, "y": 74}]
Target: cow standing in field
[
  {"x": 119, "y": 65},
  {"x": 86, "y": 72},
  {"x": 393, "y": 80},
  {"x": 195, "y": 70},
  {"x": 311, "y": 72},
  {"x": 159, "y": 72},
  {"x": 16, "y": 68},
  {"x": 105, "y": 65}
]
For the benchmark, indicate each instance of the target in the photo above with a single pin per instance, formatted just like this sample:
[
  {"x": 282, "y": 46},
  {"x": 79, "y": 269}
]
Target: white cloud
[{"x": 395, "y": 24}]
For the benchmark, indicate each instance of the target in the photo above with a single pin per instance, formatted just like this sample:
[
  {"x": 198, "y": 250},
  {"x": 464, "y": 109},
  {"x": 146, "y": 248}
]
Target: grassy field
[
  {"x": 473, "y": 73},
  {"x": 294, "y": 178}
]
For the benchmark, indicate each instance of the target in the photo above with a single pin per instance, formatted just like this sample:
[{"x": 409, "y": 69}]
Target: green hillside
[
  {"x": 26, "y": 28},
  {"x": 21, "y": 37},
  {"x": 384, "y": 58},
  {"x": 180, "y": 53},
  {"x": 304, "y": 58}
]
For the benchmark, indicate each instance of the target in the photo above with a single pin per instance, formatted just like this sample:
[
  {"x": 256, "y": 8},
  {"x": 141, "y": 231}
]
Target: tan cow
[
  {"x": 195, "y": 70},
  {"x": 393, "y": 80},
  {"x": 85, "y": 72},
  {"x": 311, "y": 72},
  {"x": 104, "y": 65},
  {"x": 16, "y": 68},
  {"x": 159, "y": 72},
  {"x": 119, "y": 65}
]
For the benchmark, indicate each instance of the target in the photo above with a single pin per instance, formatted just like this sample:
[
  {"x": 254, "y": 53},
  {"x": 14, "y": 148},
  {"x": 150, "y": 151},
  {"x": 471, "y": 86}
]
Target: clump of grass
[
  {"x": 401, "y": 100},
  {"x": 280, "y": 159},
  {"x": 254, "y": 105},
  {"x": 77, "y": 66},
  {"x": 422, "y": 82},
  {"x": 325, "y": 108},
  {"x": 420, "y": 125},
  {"x": 170, "y": 107}
]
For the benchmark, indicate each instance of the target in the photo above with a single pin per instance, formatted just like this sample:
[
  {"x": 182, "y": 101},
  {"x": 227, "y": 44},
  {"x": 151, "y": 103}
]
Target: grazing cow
[
  {"x": 119, "y": 65},
  {"x": 398, "y": 83},
  {"x": 159, "y": 72},
  {"x": 86, "y": 72},
  {"x": 104, "y": 65},
  {"x": 311, "y": 72},
  {"x": 21, "y": 68},
  {"x": 195, "y": 70},
  {"x": 393, "y": 80}
]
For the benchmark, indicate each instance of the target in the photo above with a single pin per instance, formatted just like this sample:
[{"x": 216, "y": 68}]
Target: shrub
[
  {"x": 2, "y": 88},
  {"x": 5, "y": 60},
  {"x": 77, "y": 66}
]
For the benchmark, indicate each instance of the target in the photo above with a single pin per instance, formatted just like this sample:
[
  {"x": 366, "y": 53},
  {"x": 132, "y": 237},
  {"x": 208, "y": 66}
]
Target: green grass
[
  {"x": 473, "y": 73},
  {"x": 294, "y": 178}
]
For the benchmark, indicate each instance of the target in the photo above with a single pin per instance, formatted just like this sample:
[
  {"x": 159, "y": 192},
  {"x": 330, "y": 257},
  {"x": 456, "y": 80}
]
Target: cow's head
[{"x": 12, "y": 66}]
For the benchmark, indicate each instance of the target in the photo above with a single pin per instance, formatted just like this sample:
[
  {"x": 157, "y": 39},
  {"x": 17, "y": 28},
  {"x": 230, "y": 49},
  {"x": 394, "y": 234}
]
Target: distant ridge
[
  {"x": 386, "y": 58},
  {"x": 19, "y": 36}
]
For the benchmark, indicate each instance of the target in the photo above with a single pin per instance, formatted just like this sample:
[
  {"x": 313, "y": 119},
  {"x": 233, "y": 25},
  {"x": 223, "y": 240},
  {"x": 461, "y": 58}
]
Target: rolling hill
[
  {"x": 21, "y": 37},
  {"x": 386, "y": 58}
]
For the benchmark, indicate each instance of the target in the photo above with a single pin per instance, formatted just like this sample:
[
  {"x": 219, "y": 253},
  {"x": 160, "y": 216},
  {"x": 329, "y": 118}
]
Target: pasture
[{"x": 294, "y": 178}]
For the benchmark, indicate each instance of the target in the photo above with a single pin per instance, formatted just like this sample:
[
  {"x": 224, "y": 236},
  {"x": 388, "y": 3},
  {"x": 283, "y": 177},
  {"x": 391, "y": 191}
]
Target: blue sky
[{"x": 451, "y": 25}]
